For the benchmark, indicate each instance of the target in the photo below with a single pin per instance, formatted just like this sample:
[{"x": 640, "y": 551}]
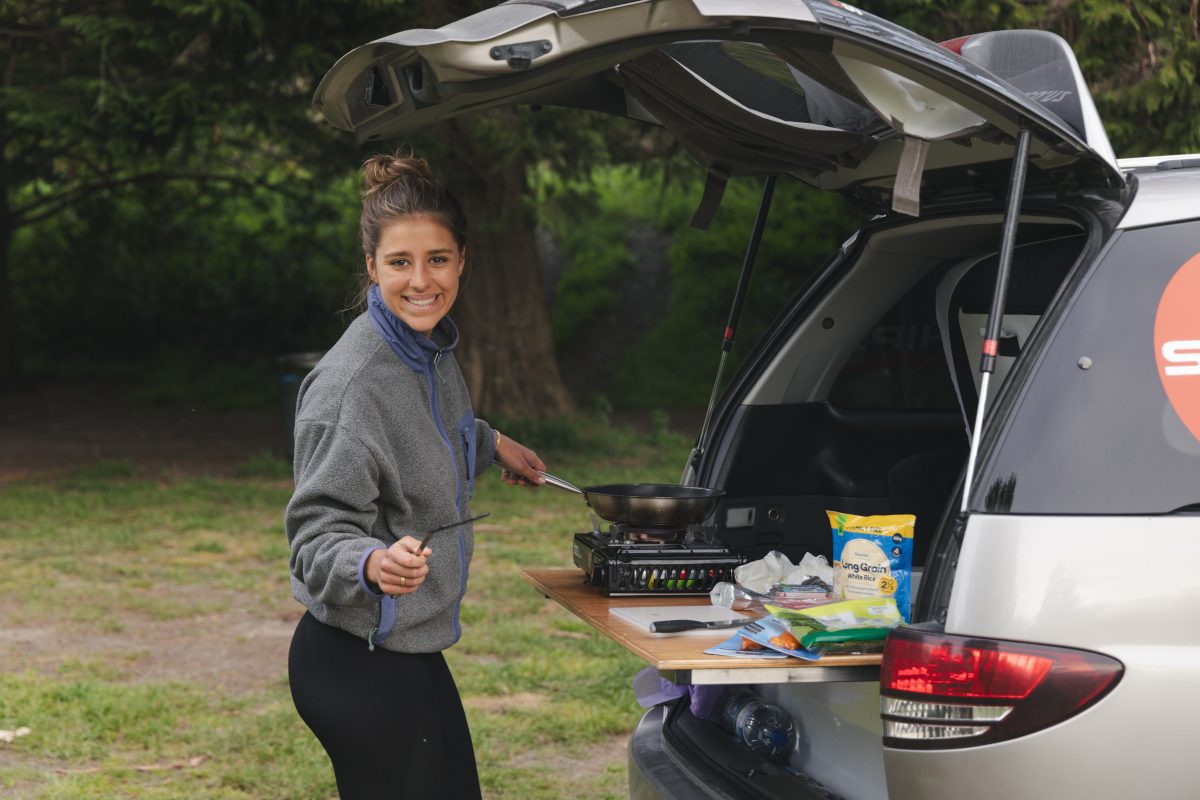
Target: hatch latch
[{"x": 522, "y": 54}]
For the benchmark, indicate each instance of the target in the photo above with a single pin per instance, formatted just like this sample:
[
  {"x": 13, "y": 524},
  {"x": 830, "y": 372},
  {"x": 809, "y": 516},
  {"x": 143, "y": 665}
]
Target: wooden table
[{"x": 681, "y": 659}]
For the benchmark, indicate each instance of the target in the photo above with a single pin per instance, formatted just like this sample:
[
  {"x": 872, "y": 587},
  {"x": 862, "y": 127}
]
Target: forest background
[{"x": 174, "y": 216}]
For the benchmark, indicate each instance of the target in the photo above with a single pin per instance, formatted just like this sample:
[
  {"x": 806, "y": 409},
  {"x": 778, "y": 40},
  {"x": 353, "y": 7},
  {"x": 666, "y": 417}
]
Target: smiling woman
[
  {"x": 388, "y": 448},
  {"x": 417, "y": 265}
]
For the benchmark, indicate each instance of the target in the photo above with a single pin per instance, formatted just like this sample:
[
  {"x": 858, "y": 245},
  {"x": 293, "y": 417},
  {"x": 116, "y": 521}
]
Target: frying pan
[{"x": 661, "y": 505}]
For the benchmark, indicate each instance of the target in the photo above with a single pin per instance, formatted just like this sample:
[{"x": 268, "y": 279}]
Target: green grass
[{"x": 103, "y": 550}]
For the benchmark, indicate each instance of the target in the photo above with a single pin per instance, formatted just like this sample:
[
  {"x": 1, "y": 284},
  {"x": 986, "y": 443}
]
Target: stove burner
[
  {"x": 619, "y": 562},
  {"x": 638, "y": 534}
]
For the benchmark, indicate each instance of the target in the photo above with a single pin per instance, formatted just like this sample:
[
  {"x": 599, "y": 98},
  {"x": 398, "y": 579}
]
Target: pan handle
[{"x": 557, "y": 482}]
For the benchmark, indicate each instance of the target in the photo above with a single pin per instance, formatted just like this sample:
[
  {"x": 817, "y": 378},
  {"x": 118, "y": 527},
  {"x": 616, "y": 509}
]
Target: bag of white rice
[{"x": 872, "y": 557}]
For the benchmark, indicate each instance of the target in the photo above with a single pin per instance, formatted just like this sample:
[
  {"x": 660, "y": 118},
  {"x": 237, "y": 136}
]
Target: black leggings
[{"x": 392, "y": 723}]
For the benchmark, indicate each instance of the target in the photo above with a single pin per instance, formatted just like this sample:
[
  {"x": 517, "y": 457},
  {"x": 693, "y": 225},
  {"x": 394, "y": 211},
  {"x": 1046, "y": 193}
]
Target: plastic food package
[
  {"x": 768, "y": 632},
  {"x": 813, "y": 592},
  {"x": 858, "y": 626},
  {"x": 872, "y": 557},
  {"x": 867, "y": 612}
]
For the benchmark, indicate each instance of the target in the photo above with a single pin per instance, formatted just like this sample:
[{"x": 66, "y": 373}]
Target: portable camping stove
[{"x": 631, "y": 560}]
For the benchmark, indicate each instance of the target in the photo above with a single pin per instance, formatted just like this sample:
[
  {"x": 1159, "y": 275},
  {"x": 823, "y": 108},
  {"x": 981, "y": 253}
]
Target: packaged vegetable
[
  {"x": 872, "y": 557},
  {"x": 867, "y": 612},
  {"x": 858, "y": 626}
]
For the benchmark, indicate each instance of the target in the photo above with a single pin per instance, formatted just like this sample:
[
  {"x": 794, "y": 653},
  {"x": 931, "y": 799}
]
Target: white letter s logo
[{"x": 1182, "y": 351}]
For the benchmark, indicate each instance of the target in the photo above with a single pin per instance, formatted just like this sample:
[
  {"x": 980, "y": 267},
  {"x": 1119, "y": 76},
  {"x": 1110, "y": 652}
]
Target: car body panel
[
  {"x": 1166, "y": 195},
  {"x": 1071, "y": 580},
  {"x": 1121, "y": 586},
  {"x": 869, "y": 87},
  {"x": 839, "y": 742}
]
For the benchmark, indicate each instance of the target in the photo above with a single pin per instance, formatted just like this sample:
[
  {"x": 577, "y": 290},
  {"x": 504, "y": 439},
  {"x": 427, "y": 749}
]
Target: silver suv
[{"x": 1019, "y": 319}]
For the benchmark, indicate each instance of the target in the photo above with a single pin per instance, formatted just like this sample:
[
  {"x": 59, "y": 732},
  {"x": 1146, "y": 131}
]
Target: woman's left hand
[{"x": 521, "y": 465}]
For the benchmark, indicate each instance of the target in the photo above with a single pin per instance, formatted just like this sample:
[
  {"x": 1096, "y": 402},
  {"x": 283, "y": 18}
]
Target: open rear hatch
[{"x": 850, "y": 102}]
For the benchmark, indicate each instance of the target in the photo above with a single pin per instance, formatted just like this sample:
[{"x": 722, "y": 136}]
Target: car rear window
[
  {"x": 901, "y": 364},
  {"x": 1106, "y": 417}
]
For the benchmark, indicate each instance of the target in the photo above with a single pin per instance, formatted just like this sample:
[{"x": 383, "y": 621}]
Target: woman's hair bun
[
  {"x": 382, "y": 170},
  {"x": 398, "y": 186}
]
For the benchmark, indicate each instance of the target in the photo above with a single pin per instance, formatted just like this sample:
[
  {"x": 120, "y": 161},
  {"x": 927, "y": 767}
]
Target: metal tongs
[{"x": 450, "y": 526}]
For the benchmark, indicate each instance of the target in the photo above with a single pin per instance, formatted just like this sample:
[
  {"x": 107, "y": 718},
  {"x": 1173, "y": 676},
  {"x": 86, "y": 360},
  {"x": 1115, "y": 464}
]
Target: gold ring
[{"x": 403, "y": 581}]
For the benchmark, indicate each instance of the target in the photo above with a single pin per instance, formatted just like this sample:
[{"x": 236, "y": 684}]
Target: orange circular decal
[{"x": 1177, "y": 343}]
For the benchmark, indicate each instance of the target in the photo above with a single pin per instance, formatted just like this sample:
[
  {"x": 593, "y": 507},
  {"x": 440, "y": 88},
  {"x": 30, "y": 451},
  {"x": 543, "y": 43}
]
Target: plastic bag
[
  {"x": 857, "y": 626},
  {"x": 872, "y": 557},
  {"x": 773, "y": 568},
  {"x": 759, "y": 576}
]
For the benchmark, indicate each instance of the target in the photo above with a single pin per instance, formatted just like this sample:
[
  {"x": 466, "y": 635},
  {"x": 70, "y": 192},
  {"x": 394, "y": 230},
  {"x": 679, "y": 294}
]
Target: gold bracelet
[{"x": 497, "y": 448}]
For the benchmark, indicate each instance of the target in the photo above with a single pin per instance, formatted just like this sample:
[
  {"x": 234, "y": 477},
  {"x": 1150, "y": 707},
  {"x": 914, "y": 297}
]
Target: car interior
[{"x": 864, "y": 401}]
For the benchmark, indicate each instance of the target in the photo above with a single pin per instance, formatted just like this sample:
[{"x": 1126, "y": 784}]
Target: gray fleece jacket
[{"x": 386, "y": 446}]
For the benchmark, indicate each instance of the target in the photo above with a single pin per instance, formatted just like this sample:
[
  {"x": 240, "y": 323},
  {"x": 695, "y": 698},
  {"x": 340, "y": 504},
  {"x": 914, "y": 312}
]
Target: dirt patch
[
  {"x": 504, "y": 702},
  {"x": 238, "y": 651},
  {"x": 586, "y": 768},
  {"x": 56, "y": 429}
]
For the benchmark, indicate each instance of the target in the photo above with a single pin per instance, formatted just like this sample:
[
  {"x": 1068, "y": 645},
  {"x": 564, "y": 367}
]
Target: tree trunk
[
  {"x": 507, "y": 352},
  {"x": 11, "y": 376}
]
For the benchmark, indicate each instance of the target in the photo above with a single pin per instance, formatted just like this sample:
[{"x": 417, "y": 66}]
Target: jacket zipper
[{"x": 436, "y": 408}]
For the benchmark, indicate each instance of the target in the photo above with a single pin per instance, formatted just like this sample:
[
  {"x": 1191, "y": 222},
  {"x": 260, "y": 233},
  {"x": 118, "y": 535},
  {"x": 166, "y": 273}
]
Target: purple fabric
[
  {"x": 414, "y": 349},
  {"x": 706, "y": 700},
  {"x": 651, "y": 689},
  {"x": 362, "y": 572}
]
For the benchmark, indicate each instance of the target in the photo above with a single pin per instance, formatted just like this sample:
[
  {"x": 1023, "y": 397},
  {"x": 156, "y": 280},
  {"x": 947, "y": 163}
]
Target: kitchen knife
[
  {"x": 678, "y": 625},
  {"x": 458, "y": 524}
]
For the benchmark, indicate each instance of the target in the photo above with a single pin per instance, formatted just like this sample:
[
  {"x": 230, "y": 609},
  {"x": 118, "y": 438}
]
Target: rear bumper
[
  {"x": 654, "y": 772},
  {"x": 674, "y": 756}
]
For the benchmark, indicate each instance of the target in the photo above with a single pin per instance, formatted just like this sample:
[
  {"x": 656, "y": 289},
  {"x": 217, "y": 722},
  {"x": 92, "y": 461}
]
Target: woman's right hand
[{"x": 400, "y": 569}]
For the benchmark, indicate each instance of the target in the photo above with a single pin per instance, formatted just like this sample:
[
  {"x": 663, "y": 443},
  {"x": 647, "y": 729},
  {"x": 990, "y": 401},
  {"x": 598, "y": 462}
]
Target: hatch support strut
[
  {"x": 991, "y": 339},
  {"x": 735, "y": 313}
]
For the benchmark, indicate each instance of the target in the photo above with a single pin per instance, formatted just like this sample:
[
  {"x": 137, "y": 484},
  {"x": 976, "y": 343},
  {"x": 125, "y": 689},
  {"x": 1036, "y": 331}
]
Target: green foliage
[
  {"x": 804, "y": 228},
  {"x": 161, "y": 165},
  {"x": 103, "y": 470},
  {"x": 166, "y": 190},
  {"x": 673, "y": 360},
  {"x": 1139, "y": 59},
  {"x": 211, "y": 278},
  {"x": 594, "y": 433},
  {"x": 99, "y": 732},
  {"x": 265, "y": 465},
  {"x": 1142, "y": 60}
]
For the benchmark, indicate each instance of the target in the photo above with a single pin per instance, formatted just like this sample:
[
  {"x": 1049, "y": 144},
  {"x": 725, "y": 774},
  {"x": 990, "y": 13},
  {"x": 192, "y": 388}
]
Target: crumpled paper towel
[{"x": 759, "y": 576}]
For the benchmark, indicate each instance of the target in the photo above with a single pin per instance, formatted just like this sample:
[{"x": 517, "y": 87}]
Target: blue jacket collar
[{"x": 414, "y": 349}]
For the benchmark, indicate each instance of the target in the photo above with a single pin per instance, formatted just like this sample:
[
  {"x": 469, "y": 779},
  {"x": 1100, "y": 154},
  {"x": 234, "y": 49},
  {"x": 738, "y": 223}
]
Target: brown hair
[{"x": 397, "y": 186}]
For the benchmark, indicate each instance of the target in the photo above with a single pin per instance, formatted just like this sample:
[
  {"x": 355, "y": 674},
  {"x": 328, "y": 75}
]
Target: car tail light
[{"x": 941, "y": 691}]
